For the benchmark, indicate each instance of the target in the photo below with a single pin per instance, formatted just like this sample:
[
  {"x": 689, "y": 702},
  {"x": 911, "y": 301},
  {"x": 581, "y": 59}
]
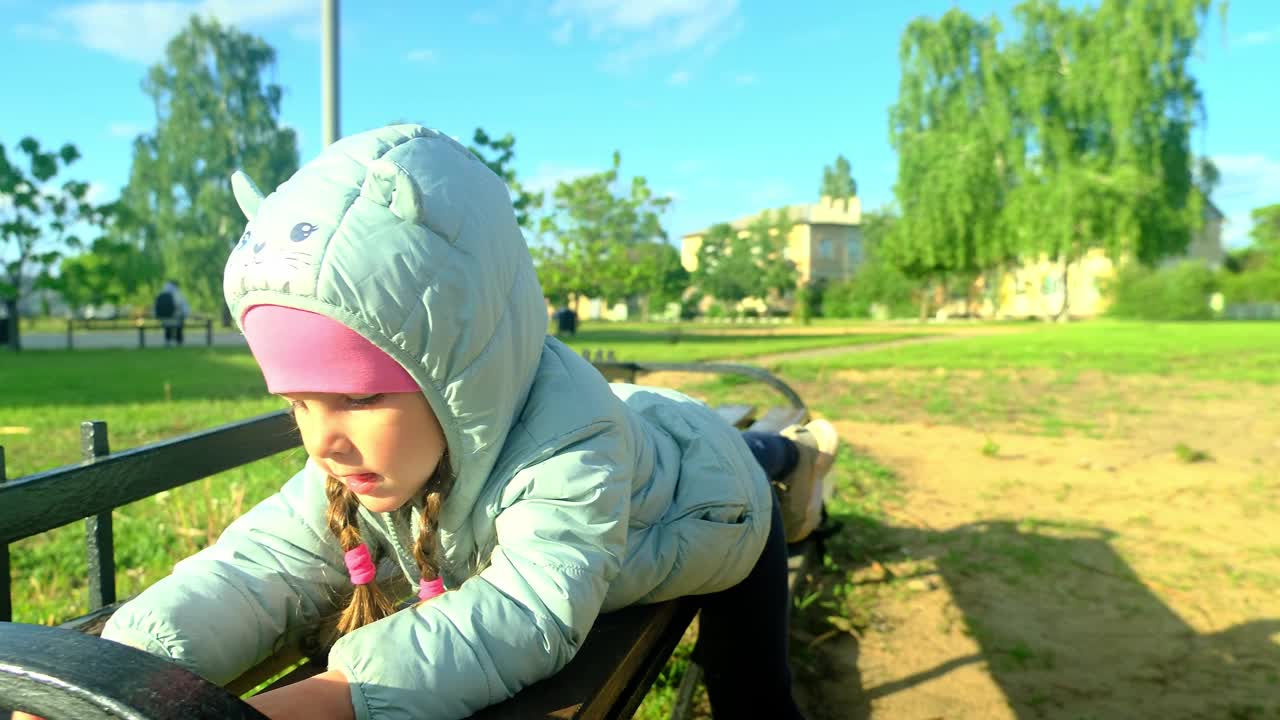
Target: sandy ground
[{"x": 1091, "y": 574}]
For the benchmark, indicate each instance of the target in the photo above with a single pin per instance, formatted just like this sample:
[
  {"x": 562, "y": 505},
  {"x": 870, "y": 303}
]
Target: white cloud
[
  {"x": 563, "y": 34},
  {"x": 679, "y": 78},
  {"x": 97, "y": 192},
  {"x": 1235, "y": 230},
  {"x": 640, "y": 30},
  {"x": 547, "y": 176},
  {"x": 1260, "y": 37},
  {"x": 483, "y": 17},
  {"x": 420, "y": 55},
  {"x": 125, "y": 130},
  {"x": 140, "y": 30},
  {"x": 1246, "y": 182},
  {"x": 744, "y": 79}
]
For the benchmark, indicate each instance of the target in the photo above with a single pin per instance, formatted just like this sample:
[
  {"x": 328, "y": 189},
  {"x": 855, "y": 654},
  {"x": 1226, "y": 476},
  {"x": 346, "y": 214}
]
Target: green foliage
[
  {"x": 498, "y": 154},
  {"x": 808, "y": 304},
  {"x": 606, "y": 243},
  {"x": 1266, "y": 230},
  {"x": 873, "y": 283},
  {"x": 953, "y": 130},
  {"x": 1178, "y": 292},
  {"x": 1074, "y": 134},
  {"x": 838, "y": 182},
  {"x": 737, "y": 264},
  {"x": 112, "y": 272},
  {"x": 1252, "y": 274},
  {"x": 37, "y": 217},
  {"x": 654, "y": 269},
  {"x": 877, "y": 226},
  {"x": 1187, "y": 454},
  {"x": 1257, "y": 285},
  {"x": 214, "y": 115},
  {"x": 1108, "y": 105}
]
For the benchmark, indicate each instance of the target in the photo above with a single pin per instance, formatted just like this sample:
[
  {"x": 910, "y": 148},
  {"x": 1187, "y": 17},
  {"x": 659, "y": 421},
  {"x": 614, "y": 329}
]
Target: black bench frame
[
  {"x": 142, "y": 324},
  {"x": 609, "y": 677}
]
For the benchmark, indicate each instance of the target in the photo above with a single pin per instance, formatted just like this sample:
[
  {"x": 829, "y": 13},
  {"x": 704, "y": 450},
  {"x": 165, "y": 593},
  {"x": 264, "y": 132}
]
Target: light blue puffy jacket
[{"x": 572, "y": 496}]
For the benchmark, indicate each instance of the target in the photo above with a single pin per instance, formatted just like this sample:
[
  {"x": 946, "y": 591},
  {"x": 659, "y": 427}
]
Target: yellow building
[
  {"x": 1035, "y": 288},
  {"x": 825, "y": 241}
]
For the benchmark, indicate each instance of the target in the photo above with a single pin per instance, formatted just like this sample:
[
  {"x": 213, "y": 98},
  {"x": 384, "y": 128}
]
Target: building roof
[{"x": 824, "y": 212}]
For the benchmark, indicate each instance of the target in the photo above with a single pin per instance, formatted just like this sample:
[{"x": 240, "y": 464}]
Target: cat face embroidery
[
  {"x": 274, "y": 258},
  {"x": 301, "y": 231}
]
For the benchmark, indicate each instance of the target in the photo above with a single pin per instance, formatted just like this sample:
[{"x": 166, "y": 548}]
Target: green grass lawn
[
  {"x": 154, "y": 394},
  {"x": 146, "y": 396},
  {"x": 1230, "y": 351},
  {"x": 684, "y": 343}
]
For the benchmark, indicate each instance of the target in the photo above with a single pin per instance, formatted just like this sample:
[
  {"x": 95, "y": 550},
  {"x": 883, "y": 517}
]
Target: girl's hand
[
  {"x": 19, "y": 715},
  {"x": 326, "y": 696}
]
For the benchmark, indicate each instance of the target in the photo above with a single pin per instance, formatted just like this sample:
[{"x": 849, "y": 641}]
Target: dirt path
[
  {"x": 1031, "y": 576},
  {"x": 849, "y": 349}
]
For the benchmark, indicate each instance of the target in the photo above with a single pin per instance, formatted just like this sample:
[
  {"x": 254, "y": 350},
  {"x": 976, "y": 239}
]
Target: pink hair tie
[
  {"x": 428, "y": 589},
  {"x": 360, "y": 565}
]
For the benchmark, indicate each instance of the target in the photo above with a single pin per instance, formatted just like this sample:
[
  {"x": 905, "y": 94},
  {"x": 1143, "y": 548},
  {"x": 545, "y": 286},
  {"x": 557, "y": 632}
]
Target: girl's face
[{"x": 383, "y": 447}]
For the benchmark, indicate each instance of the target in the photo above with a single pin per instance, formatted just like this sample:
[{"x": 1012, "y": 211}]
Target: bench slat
[
  {"x": 736, "y": 415},
  {"x": 608, "y": 674}
]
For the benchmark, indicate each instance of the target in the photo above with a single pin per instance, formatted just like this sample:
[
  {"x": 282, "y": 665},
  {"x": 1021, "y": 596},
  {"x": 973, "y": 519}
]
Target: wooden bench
[
  {"x": 141, "y": 324},
  {"x": 608, "y": 678}
]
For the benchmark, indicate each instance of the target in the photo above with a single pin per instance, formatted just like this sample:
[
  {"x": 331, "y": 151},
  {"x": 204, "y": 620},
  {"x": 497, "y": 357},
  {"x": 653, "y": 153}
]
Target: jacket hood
[{"x": 404, "y": 236}]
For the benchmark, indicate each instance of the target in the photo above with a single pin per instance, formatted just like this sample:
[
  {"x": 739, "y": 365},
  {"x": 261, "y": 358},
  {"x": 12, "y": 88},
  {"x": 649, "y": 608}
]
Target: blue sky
[{"x": 727, "y": 106}]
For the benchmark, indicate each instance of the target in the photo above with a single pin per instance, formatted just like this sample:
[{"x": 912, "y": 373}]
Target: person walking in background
[{"x": 171, "y": 309}]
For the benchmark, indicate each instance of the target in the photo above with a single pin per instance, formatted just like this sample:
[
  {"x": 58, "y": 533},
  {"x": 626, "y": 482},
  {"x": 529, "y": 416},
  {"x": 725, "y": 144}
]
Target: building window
[
  {"x": 855, "y": 251},
  {"x": 826, "y": 250}
]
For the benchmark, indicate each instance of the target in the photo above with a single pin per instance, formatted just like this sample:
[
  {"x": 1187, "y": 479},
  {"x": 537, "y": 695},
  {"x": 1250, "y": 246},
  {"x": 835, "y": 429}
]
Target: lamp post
[{"x": 329, "y": 72}]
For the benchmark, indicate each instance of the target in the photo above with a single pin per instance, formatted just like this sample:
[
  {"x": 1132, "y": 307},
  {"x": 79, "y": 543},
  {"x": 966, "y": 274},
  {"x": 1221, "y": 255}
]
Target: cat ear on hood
[{"x": 248, "y": 196}]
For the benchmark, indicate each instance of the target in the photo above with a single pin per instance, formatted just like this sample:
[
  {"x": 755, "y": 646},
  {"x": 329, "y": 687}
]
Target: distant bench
[
  {"x": 64, "y": 671},
  {"x": 141, "y": 324}
]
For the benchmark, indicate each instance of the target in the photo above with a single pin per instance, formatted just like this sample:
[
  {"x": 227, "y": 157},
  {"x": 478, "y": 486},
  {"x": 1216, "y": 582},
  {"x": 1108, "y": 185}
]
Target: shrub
[
  {"x": 1178, "y": 292},
  {"x": 874, "y": 283},
  {"x": 1258, "y": 285}
]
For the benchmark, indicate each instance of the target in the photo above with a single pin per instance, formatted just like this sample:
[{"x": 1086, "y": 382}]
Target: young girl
[{"x": 457, "y": 453}]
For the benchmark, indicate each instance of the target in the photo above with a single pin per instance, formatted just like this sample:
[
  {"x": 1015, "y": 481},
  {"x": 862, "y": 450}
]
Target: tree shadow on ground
[{"x": 1063, "y": 625}]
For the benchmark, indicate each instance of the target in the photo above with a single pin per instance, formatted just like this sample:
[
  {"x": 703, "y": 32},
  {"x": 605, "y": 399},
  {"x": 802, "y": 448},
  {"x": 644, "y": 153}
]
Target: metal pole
[
  {"x": 329, "y": 72},
  {"x": 97, "y": 529},
  {"x": 6, "y": 601}
]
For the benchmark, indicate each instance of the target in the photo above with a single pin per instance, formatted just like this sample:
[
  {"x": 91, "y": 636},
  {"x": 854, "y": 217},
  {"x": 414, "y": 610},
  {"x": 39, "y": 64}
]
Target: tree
[
  {"x": 597, "y": 234},
  {"x": 214, "y": 115},
  {"x": 838, "y": 182},
  {"x": 875, "y": 281},
  {"x": 955, "y": 133},
  {"x": 657, "y": 275},
  {"x": 877, "y": 226},
  {"x": 498, "y": 154},
  {"x": 1107, "y": 105},
  {"x": 1265, "y": 232},
  {"x": 737, "y": 264},
  {"x": 37, "y": 219},
  {"x": 1073, "y": 136},
  {"x": 112, "y": 272}
]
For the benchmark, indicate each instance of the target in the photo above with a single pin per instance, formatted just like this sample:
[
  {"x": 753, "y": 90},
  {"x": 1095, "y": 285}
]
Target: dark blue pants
[{"x": 743, "y": 631}]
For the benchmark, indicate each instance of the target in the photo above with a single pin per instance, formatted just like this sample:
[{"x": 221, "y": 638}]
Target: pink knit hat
[{"x": 302, "y": 351}]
